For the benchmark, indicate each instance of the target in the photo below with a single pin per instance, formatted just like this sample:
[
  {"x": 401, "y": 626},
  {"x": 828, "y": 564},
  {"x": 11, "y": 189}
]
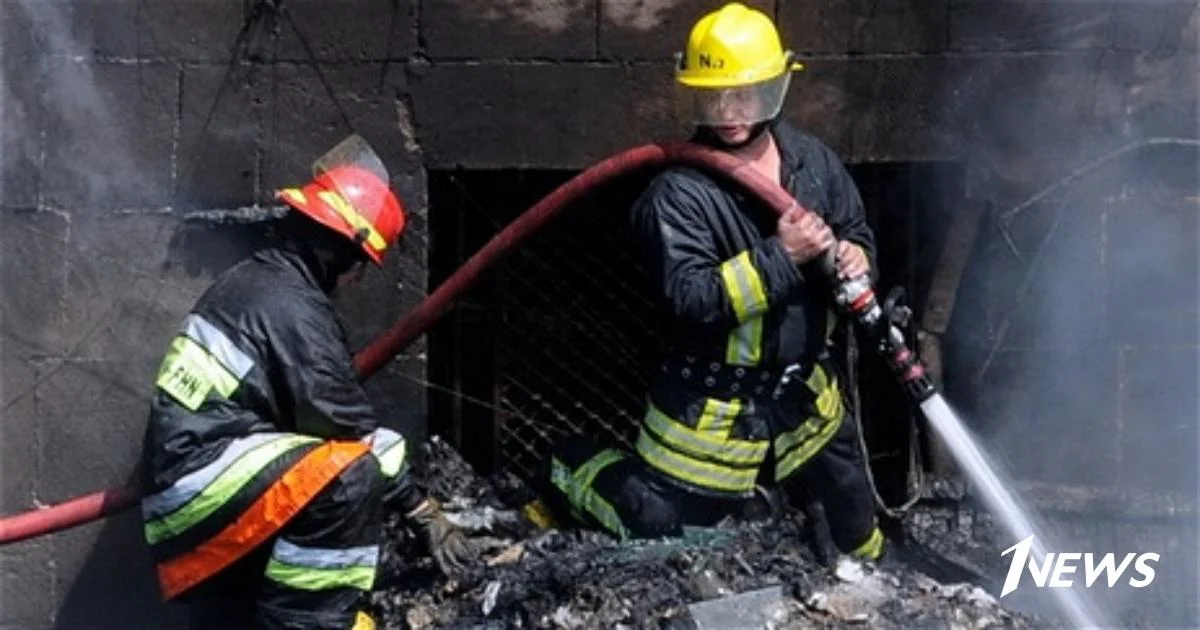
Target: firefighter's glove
[{"x": 448, "y": 544}]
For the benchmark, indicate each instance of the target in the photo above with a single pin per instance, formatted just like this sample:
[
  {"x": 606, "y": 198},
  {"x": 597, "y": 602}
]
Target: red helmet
[{"x": 350, "y": 195}]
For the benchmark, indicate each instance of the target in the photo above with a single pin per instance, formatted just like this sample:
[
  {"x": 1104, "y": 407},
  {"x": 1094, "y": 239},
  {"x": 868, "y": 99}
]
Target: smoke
[
  {"x": 1077, "y": 328},
  {"x": 73, "y": 103},
  {"x": 101, "y": 116},
  {"x": 85, "y": 168}
]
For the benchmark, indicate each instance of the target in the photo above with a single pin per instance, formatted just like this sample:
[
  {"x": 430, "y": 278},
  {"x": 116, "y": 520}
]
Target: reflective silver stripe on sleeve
[
  {"x": 218, "y": 344},
  {"x": 389, "y": 448},
  {"x": 318, "y": 558}
]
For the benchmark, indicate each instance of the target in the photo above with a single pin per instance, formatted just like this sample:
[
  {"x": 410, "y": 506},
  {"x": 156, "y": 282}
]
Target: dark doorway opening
[{"x": 560, "y": 335}]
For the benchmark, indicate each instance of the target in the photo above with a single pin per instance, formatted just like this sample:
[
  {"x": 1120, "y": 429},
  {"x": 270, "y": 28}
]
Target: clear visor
[
  {"x": 743, "y": 105},
  {"x": 353, "y": 151}
]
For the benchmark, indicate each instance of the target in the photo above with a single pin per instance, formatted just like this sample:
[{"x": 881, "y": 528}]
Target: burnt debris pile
[{"x": 759, "y": 574}]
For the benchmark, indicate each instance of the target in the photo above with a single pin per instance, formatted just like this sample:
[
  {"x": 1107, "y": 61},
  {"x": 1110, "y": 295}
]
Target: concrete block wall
[{"x": 128, "y": 125}]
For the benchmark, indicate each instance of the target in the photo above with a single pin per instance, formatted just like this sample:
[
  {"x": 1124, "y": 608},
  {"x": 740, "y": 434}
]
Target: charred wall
[{"x": 136, "y": 135}]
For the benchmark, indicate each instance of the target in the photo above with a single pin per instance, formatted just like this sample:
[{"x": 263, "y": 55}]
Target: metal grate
[
  {"x": 575, "y": 337},
  {"x": 556, "y": 340}
]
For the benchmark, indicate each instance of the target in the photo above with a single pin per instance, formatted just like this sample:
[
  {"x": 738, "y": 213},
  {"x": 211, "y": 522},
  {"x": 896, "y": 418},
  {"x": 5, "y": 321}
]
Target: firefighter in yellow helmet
[{"x": 748, "y": 394}]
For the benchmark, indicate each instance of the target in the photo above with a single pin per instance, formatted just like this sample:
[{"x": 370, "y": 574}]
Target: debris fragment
[
  {"x": 565, "y": 620},
  {"x": 509, "y": 555},
  {"x": 707, "y": 585},
  {"x": 848, "y": 570},
  {"x": 489, "y": 596},
  {"x": 419, "y": 617},
  {"x": 745, "y": 610}
]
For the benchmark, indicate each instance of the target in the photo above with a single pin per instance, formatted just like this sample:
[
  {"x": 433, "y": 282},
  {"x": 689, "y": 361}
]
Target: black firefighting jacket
[
  {"x": 739, "y": 312},
  {"x": 261, "y": 351},
  {"x": 696, "y": 232}
]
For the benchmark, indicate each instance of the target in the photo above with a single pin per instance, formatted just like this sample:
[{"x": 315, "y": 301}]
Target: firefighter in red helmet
[{"x": 266, "y": 473}]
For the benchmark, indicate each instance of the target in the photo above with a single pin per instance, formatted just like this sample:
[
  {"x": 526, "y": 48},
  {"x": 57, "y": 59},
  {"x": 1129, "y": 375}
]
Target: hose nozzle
[{"x": 882, "y": 325}]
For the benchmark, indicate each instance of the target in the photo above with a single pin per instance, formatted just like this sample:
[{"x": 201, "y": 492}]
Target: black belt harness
[{"x": 722, "y": 380}]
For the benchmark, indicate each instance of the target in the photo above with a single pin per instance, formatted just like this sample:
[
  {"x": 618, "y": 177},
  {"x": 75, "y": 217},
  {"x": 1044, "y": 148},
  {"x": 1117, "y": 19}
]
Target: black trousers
[
  {"x": 836, "y": 481},
  {"x": 649, "y": 505},
  {"x": 312, "y": 574}
]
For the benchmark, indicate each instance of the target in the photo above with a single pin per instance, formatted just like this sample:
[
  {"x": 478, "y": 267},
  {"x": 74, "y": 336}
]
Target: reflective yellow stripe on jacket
[
  {"x": 872, "y": 548},
  {"x": 319, "y": 569},
  {"x": 794, "y": 448},
  {"x": 198, "y": 494},
  {"x": 201, "y": 359},
  {"x": 577, "y": 486},
  {"x": 705, "y": 456},
  {"x": 744, "y": 286},
  {"x": 389, "y": 448}
]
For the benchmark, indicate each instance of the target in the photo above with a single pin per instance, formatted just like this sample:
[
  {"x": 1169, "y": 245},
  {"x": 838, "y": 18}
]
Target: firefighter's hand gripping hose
[{"x": 856, "y": 296}]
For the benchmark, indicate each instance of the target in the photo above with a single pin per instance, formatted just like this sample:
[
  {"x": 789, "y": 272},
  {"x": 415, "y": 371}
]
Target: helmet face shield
[
  {"x": 740, "y": 105},
  {"x": 353, "y": 152}
]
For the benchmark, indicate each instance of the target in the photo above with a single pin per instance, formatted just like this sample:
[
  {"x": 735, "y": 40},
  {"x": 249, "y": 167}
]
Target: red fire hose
[{"x": 105, "y": 503}]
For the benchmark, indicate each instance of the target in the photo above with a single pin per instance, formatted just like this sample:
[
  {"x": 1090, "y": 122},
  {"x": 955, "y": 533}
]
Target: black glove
[{"x": 448, "y": 545}]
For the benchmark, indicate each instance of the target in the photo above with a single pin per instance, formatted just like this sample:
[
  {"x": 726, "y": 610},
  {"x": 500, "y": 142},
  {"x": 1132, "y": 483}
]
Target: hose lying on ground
[{"x": 416, "y": 322}]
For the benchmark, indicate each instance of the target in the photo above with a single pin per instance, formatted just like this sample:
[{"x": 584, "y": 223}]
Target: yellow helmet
[
  {"x": 734, "y": 69},
  {"x": 733, "y": 46}
]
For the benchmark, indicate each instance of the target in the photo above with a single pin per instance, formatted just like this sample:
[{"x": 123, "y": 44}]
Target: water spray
[{"x": 882, "y": 325}]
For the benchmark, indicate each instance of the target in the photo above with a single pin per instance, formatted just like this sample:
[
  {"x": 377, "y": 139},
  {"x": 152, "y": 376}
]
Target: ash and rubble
[{"x": 760, "y": 574}]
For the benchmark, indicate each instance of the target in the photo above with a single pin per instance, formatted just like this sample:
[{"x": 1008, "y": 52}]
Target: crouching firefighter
[
  {"x": 747, "y": 385},
  {"x": 266, "y": 475}
]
